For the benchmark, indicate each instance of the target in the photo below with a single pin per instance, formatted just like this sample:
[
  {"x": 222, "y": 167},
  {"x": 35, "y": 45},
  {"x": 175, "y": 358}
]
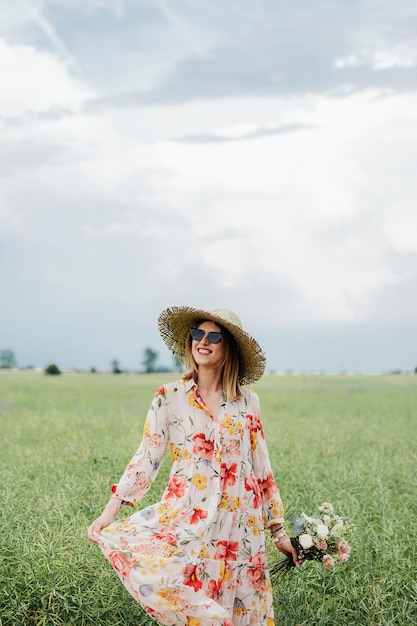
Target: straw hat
[{"x": 175, "y": 323}]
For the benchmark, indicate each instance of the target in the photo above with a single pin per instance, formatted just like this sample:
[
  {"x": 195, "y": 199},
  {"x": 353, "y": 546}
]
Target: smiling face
[{"x": 207, "y": 354}]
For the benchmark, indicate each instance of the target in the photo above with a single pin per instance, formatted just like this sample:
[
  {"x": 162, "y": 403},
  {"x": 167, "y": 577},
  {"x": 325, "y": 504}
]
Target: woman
[{"x": 198, "y": 557}]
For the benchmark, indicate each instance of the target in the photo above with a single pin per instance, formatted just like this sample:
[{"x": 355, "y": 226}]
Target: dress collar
[{"x": 190, "y": 384}]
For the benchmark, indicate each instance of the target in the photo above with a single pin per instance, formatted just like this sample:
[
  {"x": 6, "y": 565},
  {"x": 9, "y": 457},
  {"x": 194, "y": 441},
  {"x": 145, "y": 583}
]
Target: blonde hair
[{"x": 230, "y": 365}]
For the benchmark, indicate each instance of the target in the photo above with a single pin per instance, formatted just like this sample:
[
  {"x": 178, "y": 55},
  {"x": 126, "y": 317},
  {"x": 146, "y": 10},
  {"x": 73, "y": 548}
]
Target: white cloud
[
  {"x": 380, "y": 56},
  {"x": 287, "y": 209},
  {"x": 307, "y": 205},
  {"x": 401, "y": 55},
  {"x": 400, "y": 228},
  {"x": 302, "y": 208},
  {"x": 33, "y": 81}
]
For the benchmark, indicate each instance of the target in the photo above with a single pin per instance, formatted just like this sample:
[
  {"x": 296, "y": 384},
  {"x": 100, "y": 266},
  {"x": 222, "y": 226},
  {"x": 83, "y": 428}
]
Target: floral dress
[{"x": 198, "y": 557}]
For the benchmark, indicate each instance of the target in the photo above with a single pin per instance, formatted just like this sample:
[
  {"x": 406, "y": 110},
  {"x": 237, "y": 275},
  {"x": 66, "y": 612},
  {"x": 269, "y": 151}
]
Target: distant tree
[
  {"x": 93, "y": 370},
  {"x": 7, "y": 359},
  {"x": 415, "y": 370},
  {"x": 52, "y": 370},
  {"x": 149, "y": 360},
  {"x": 115, "y": 367}
]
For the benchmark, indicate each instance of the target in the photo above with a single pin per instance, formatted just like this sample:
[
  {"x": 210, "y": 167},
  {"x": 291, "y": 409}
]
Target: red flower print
[
  {"x": 251, "y": 484},
  {"x": 161, "y": 391},
  {"x": 168, "y": 535},
  {"x": 191, "y": 579},
  {"x": 158, "y": 616},
  {"x": 153, "y": 440},
  {"x": 226, "y": 551},
  {"x": 256, "y": 571},
  {"x": 257, "y": 560},
  {"x": 141, "y": 481},
  {"x": 176, "y": 486},
  {"x": 268, "y": 487},
  {"x": 203, "y": 447},
  {"x": 254, "y": 424},
  {"x": 197, "y": 515},
  {"x": 213, "y": 589},
  {"x": 228, "y": 474},
  {"x": 120, "y": 561}
]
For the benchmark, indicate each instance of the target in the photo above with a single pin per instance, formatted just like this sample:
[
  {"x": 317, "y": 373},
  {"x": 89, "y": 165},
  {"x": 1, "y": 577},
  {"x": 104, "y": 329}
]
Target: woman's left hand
[{"x": 285, "y": 546}]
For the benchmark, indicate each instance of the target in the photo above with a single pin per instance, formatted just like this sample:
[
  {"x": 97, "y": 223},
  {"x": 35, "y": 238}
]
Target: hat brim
[{"x": 174, "y": 325}]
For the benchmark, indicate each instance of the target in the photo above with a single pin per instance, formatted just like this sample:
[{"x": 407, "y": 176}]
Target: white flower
[
  {"x": 306, "y": 541},
  {"x": 322, "y": 531},
  {"x": 326, "y": 507},
  {"x": 337, "y": 527},
  {"x": 326, "y": 519}
]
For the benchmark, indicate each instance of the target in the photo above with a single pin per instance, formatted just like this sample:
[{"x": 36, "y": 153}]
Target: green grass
[{"x": 348, "y": 440}]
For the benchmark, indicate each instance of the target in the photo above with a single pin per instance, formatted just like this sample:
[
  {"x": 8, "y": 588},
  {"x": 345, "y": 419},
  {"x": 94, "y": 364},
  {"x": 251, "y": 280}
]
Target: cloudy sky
[{"x": 249, "y": 154}]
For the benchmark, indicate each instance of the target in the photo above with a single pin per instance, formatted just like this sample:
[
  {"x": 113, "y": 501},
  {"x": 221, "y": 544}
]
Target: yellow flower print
[
  {"x": 169, "y": 550},
  {"x": 253, "y": 441},
  {"x": 232, "y": 427},
  {"x": 277, "y": 508},
  {"x": 175, "y": 452},
  {"x": 270, "y": 621},
  {"x": 224, "y": 502},
  {"x": 121, "y": 526},
  {"x": 192, "y": 401},
  {"x": 228, "y": 574},
  {"x": 193, "y": 621},
  {"x": 168, "y": 518},
  {"x": 239, "y": 428},
  {"x": 227, "y": 421},
  {"x": 218, "y": 454},
  {"x": 167, "y": 514},
  {"x": 235, "y": 429},
  {"x": 186, "y": 454},
  {"x": 240, "y": 611},
  {"x": 235, "y": 503},
  {"x": 111, "y": 530},
  {"x": 171, "y": 598},
  {"x": 199, "y": 481},
  {"x": 252, "y": 522},
  {"x": 204, "y": 553}
]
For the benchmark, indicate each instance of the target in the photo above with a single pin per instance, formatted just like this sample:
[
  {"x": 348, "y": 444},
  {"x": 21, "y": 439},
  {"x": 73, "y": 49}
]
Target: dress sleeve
[
  {"x": 143, "y": 468},
  {"x": 272, "y": 507}
]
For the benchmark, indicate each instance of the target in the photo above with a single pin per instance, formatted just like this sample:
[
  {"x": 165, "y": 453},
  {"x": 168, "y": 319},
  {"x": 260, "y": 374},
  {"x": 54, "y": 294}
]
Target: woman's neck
[{"x": 210, "y": 381}]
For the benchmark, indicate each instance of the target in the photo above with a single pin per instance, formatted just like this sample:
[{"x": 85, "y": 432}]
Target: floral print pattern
[{"x": 198, "y": 557}]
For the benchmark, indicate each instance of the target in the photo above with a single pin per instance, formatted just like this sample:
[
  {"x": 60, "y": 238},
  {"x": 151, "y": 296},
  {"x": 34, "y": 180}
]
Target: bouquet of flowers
[{"x": 321, "y": 538}]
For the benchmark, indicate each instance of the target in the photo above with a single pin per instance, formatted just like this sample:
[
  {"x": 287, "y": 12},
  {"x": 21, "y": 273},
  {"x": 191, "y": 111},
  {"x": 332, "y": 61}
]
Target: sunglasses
[{"x": 198, "y": 333}]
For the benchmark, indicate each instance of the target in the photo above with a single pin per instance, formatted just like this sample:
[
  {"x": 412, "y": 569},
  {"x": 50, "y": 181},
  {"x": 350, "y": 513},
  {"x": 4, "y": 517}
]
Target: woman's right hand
[{"x": 104, "y": 520}]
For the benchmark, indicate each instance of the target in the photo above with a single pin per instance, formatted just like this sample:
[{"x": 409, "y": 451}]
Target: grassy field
[{"x": 348, "y": 440}]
